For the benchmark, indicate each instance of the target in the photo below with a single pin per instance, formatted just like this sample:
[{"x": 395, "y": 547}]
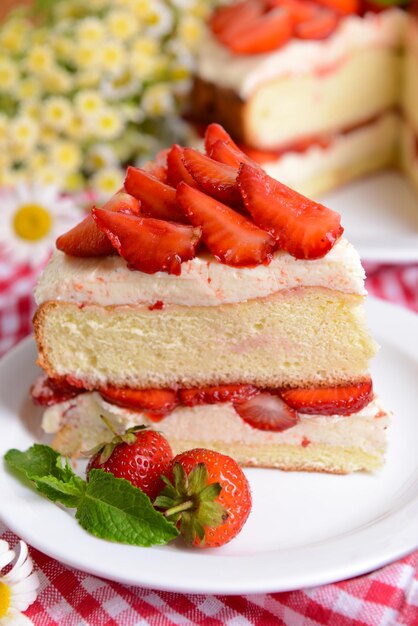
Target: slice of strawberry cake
[
  {"x": 227, "y": 314},
  {"x": 310, "y": 88}
]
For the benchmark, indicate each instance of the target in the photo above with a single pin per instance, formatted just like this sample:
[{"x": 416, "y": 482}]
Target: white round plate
[
  {"x": 304, "y": 529},
  {"x": 380, "y": 216}
]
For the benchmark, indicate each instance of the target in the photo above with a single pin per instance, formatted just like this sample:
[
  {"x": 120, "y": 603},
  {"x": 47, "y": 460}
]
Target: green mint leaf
[
  {"x": 113, "y": 509},
  {"x": 68, "y": 493},
  {"x": 43, "y": 465},
  {"x": 37, "y": 461}
]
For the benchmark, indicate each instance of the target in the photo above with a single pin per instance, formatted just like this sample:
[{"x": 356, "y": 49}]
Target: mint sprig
[{"x": 108, "y": 507}]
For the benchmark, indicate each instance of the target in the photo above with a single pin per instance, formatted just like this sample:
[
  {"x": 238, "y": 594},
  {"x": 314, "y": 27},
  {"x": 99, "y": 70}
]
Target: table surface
[{"x": 69, "y": 597}]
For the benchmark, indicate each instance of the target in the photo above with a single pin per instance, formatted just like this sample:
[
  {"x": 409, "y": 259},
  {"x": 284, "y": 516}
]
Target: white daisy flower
[
  {"x": 120, "y": 24},
  {"x": 91, "y": 29},
  {"x": 8, "y": 74},
  {"x": 100, "y": 156},
  {"x": 158, "y": 100},
  {"x": 32, "y": 217},
  {"x": 107, "y": 181},
  {"x": 57, "y": 112},
  {"x": 108, "y": 124},
  {"x": 112, "y": 56},
  {"x": 40, "y": 59},
  {"x": 159, "y": 20},
  {"x": 18, "y": 588},
  {"x": 88, "y": 103},
  {"x": 121, "y": 87}
]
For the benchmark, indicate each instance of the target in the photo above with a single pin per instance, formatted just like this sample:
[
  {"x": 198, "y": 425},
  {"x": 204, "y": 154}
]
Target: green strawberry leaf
[{"x": 113, "y": 509}]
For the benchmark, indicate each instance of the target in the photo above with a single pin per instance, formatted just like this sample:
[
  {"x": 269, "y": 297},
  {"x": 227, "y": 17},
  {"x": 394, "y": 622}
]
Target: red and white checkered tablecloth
[{"x": 67, "y": 597}]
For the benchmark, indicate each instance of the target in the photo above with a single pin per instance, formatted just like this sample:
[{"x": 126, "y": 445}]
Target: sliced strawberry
[
  {"x": 231, "y": 237},
  {"x": 301, "y": 10},
  {"x": 157, "y": 401},
  {"x": 367, "y": 6},
  {"x": 330, "y": 400},
  {"x": 226, "y": 153},
  {"x": 176, "y": 170},
  {"x": 261, "y": 156},
  {"x": 302, "y": 227},
  {"x": 147, "y": 244},
  {"x": 122, "y": 202},
  {"x": 158, "y": 171},
  {"x": 213, "y": 395},
  {"x": 48, "y": 391},
  {"x": 299, "y": 145},
  {"x": 222, "y": 15},
  {"x": 216, "y": 179},
  {"x": 263, "y": 34},
  {"x": 158, "y": 167},
  {"x": 215, "y": 132},
  {"x": 86, "y": 240},
  {"x": 344, "y": 7},
  {"x": 157, "y": 199},
  {"x": 319, "y": 26},
  {"x": 267, "y": 412},
  {"x": 240, "y": 21}
]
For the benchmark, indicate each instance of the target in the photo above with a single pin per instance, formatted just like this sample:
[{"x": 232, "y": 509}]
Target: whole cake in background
[
  {"x": 211, "y": 302},
  {"x": 312, "y": 90}
]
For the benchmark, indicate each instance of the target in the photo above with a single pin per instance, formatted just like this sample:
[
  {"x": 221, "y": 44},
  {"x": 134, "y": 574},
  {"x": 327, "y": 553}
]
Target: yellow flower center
[
  {"x": 4, "y": 599},
  {"x": 31, "y": 222}
]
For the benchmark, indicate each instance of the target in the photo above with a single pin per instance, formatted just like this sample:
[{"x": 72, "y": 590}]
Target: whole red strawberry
[
  {"x": 207, "y": 495},
  {"x": 140, "y": 456}
]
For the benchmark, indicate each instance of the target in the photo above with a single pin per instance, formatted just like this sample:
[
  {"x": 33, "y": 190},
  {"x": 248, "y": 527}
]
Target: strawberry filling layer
[
  {"x": 272, "y": 409},
  {"x": 303, "y": 144}
]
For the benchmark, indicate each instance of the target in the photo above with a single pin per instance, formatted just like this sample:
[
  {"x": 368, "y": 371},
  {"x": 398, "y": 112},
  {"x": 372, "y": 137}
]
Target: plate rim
[{"x": 367, "y": 563}]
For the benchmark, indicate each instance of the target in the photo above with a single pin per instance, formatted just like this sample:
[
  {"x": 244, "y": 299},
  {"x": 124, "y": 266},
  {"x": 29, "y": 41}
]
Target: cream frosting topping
[
  {"x": 203, "y": 280},
  {"x": 244, "y": 73}
]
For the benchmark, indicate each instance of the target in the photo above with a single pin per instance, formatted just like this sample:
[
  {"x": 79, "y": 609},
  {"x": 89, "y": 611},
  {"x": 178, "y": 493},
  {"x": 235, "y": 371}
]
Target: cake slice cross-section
[{"x": 256, "y": 345}]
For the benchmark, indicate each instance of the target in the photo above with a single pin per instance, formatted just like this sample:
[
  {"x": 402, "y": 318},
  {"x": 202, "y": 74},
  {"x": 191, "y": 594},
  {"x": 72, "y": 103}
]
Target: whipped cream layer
[
  {"x": 244, "y": 73},
  {"x": 219, "y": 422},
  {"x": 203, "y": 281}
]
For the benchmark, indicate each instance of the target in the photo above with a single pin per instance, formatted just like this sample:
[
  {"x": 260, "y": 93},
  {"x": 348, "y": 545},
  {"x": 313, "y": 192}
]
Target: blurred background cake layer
[
  {"x": 317, "y": 113},
  {"x": 410, "y": 102},
  {"x": 305, "y": 88}
]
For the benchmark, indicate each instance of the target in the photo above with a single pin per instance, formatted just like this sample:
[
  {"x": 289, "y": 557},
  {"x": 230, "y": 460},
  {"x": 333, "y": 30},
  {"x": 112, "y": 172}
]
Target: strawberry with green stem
[
  {"x": 207, "y": 496},
  {"x": 140, "y": 455}
]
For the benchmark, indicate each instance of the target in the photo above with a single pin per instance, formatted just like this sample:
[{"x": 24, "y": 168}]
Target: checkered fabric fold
[{"x": 387, "y": 597}]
